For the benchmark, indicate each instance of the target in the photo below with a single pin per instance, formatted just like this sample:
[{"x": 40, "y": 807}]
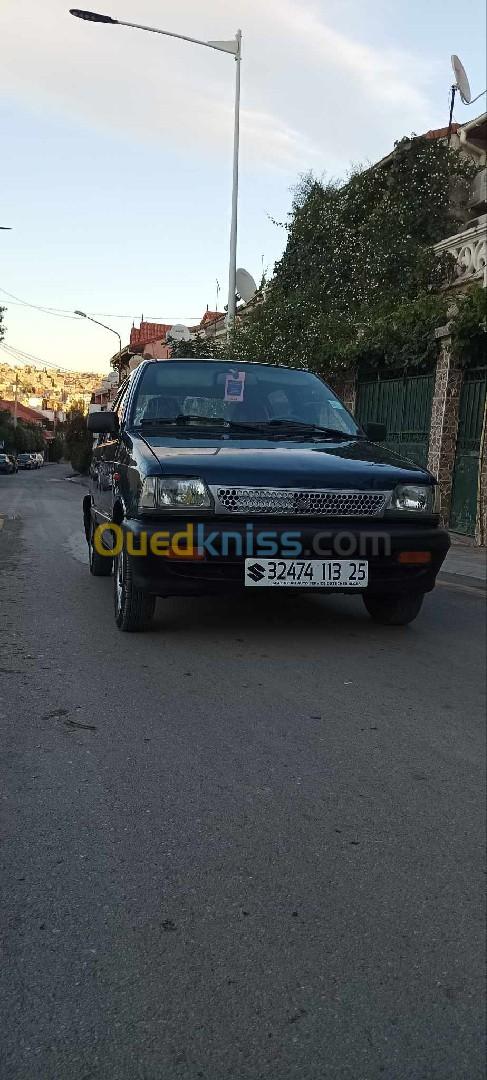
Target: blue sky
[{"x": 116, "y": 145}]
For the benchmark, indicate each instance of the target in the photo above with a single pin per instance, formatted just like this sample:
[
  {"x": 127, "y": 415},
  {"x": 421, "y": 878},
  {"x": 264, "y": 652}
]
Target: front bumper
[{"x": 378, "y": 542}]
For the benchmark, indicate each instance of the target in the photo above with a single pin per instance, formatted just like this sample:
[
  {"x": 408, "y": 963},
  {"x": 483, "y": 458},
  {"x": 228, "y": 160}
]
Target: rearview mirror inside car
[
  {"x": 375, "y": 432},
  {"x": 102, "y": 423}
]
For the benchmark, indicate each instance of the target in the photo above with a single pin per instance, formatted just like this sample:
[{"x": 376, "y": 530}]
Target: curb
[
  {"x": 77, "y": 479},
  {"x": 463, "y": 579}
]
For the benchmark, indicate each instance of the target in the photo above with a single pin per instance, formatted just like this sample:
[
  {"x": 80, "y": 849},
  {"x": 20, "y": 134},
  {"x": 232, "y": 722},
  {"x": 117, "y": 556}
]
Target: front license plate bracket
[{"x": 307, "y": 573}]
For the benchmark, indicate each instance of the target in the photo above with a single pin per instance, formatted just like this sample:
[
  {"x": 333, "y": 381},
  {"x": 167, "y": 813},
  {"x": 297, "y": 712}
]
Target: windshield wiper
[
  {"x": 184, "y": 418},
  {"x": 303, "y": 428},
  {"x": 275, "y": 427}
]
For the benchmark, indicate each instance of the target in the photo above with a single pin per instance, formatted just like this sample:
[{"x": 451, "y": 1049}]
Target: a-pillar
[{"x": 345, "y": 387}]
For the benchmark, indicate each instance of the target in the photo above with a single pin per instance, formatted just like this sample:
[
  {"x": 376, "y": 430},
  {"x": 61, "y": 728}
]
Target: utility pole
[
  {"x": 16, "y": 397},
  {"x": 234, "y": 48}
]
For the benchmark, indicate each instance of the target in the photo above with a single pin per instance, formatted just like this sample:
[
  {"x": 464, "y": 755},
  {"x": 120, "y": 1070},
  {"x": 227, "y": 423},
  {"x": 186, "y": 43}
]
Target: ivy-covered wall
[{"x": 359, "y": 283}]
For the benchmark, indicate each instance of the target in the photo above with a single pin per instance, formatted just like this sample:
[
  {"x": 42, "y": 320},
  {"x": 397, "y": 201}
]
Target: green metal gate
[
  {"x": 403, "y": 403},
  {"x": 466, "y": 470}
]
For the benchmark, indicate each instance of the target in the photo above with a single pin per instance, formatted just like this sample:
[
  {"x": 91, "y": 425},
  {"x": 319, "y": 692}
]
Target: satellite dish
[
  {"x": 179, "y": 332},
  {"x": 461, "y": 80},
  {"x": 246, "y": 286}
]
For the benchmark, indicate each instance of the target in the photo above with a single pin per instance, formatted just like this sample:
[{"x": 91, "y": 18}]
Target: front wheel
[
  {"x": 393, "y": 610},
  {"x": 133, "y": 608}
]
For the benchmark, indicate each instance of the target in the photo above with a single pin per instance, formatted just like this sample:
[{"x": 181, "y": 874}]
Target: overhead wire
[
  {"x": 67, "y": 314},
  {"x": 29, "y": 359}
]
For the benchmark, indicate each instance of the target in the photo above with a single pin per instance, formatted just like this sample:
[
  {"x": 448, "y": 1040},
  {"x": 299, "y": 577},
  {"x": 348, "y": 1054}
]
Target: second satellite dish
[
  {"x": 246, "y": 286},
  {"x": 179, "y": 332},
  {"x": 461, "y": 80}
]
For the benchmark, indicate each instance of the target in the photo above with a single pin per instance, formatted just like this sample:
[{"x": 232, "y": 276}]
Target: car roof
[{"x": 226, "y": 360}]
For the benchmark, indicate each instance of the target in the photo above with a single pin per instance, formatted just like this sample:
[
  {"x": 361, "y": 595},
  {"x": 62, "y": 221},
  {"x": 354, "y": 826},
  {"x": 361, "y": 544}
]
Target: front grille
[{"x": 297, "y": 502}]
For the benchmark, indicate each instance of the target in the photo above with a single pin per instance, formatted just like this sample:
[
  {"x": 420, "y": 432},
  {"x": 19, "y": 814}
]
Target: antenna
[{"x": 246, "y": 286}]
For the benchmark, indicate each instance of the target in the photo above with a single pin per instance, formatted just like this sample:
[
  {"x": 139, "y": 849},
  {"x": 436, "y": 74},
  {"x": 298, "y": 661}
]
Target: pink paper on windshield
[{"x": 234, "y": 386}]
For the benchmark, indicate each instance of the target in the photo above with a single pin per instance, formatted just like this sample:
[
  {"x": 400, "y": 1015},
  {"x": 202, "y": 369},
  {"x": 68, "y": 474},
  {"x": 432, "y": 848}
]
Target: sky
[{"x": 116, "y": 145}]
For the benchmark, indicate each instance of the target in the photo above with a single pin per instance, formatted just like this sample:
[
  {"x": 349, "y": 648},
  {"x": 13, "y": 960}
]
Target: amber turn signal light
[{"x": 414, "y": 558}]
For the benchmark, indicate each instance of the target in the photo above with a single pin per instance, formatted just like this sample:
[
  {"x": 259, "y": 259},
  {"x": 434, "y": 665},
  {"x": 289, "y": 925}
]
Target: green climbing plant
[
  {"x": 469, "y": 326},
  {"x": 358, "y": 282}
]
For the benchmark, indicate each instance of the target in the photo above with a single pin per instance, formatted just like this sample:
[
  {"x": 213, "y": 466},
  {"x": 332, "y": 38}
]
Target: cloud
[
  {"x": 394, "y": 77},
  {"x": 312, "y": 95}
]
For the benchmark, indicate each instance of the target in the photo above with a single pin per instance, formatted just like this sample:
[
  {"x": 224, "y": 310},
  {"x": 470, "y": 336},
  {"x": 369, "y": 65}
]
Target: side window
[{"x": 120, "y": 402}]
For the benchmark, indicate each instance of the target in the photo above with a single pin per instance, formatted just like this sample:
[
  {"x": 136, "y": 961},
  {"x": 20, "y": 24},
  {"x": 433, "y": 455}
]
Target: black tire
[
  {"x": 100, "y": 565},
  {"x": 393, "y": 610},
  {"x": 133, "y": 608}
]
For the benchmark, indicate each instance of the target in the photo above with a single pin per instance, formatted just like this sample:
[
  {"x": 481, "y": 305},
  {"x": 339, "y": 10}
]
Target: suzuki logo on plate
[{"x": 256, "y": 572}]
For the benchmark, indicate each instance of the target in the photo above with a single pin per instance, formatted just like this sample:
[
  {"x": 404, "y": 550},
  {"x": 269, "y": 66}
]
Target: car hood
[{"x": 356, "y": 464}]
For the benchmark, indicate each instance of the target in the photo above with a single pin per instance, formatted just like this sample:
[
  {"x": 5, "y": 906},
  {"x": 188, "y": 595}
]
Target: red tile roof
[
  {"x": 24, "y": 412},
  {"x": 441, "y": 133},
  {"x": 208, "y": 318},
  {"x": 147, "y": 332},
  {"x": 211, "y": 316}
]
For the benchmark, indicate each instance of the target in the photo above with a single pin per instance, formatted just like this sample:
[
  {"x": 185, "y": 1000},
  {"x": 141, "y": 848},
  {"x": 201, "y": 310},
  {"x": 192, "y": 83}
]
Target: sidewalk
[{"x": 465, "y": 565}]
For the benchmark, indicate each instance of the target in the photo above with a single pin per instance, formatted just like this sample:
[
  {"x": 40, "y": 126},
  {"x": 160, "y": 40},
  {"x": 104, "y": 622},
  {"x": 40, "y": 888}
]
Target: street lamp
[
  {"x": 235, "y": 48},
  {"x": 112, "y": 331}
]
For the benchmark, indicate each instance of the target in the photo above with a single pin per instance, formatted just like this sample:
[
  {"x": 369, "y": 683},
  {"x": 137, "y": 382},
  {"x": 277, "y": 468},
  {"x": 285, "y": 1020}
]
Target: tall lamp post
[
  {"x": 112, "y": 331},
  {"x": 234, "y": 47}
]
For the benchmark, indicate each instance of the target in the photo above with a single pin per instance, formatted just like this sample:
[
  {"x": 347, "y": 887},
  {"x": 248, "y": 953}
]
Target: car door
[{"x": 104, "y": 459}]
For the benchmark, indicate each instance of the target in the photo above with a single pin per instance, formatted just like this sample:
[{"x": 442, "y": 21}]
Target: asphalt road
[{"x": 248, "y": 844}]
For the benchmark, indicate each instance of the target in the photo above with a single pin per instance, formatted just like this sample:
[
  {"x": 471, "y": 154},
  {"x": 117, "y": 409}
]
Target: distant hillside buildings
[{"x": 48, "y": 390}]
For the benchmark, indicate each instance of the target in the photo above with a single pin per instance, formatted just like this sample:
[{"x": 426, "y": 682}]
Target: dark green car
[{"x": 214, "y": 476}]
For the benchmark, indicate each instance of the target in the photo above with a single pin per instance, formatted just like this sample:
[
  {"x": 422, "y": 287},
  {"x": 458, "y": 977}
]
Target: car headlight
[
  {"x": 416, "y": 498},
  {"x": 174, "y": 493}
]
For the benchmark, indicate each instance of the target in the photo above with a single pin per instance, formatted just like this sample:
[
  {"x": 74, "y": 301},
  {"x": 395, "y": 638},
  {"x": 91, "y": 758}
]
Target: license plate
[{"x": 314, "y": 573}]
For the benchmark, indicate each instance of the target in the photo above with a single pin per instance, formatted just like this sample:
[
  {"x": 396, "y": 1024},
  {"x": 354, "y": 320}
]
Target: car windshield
[{"x": 239, "y": 393}]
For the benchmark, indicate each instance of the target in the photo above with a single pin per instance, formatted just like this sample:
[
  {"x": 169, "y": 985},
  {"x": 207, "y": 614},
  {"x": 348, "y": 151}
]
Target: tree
[
  {"x": 199, "y": 347},
  {"x": 55, "y": 449},
  {"x": 23, "y": 438},
  {"x": 78, "y": 441}
]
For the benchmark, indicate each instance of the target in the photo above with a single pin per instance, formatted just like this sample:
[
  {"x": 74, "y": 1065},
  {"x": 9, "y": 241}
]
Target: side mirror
[
  {"x": 103, "y": 423},
  {"x": 375, "y": 432}
]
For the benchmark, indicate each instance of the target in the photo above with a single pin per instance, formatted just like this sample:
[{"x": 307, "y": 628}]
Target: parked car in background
[
  {"x": 26, "y": 461},
  {"x": 6, "y": 465}
]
